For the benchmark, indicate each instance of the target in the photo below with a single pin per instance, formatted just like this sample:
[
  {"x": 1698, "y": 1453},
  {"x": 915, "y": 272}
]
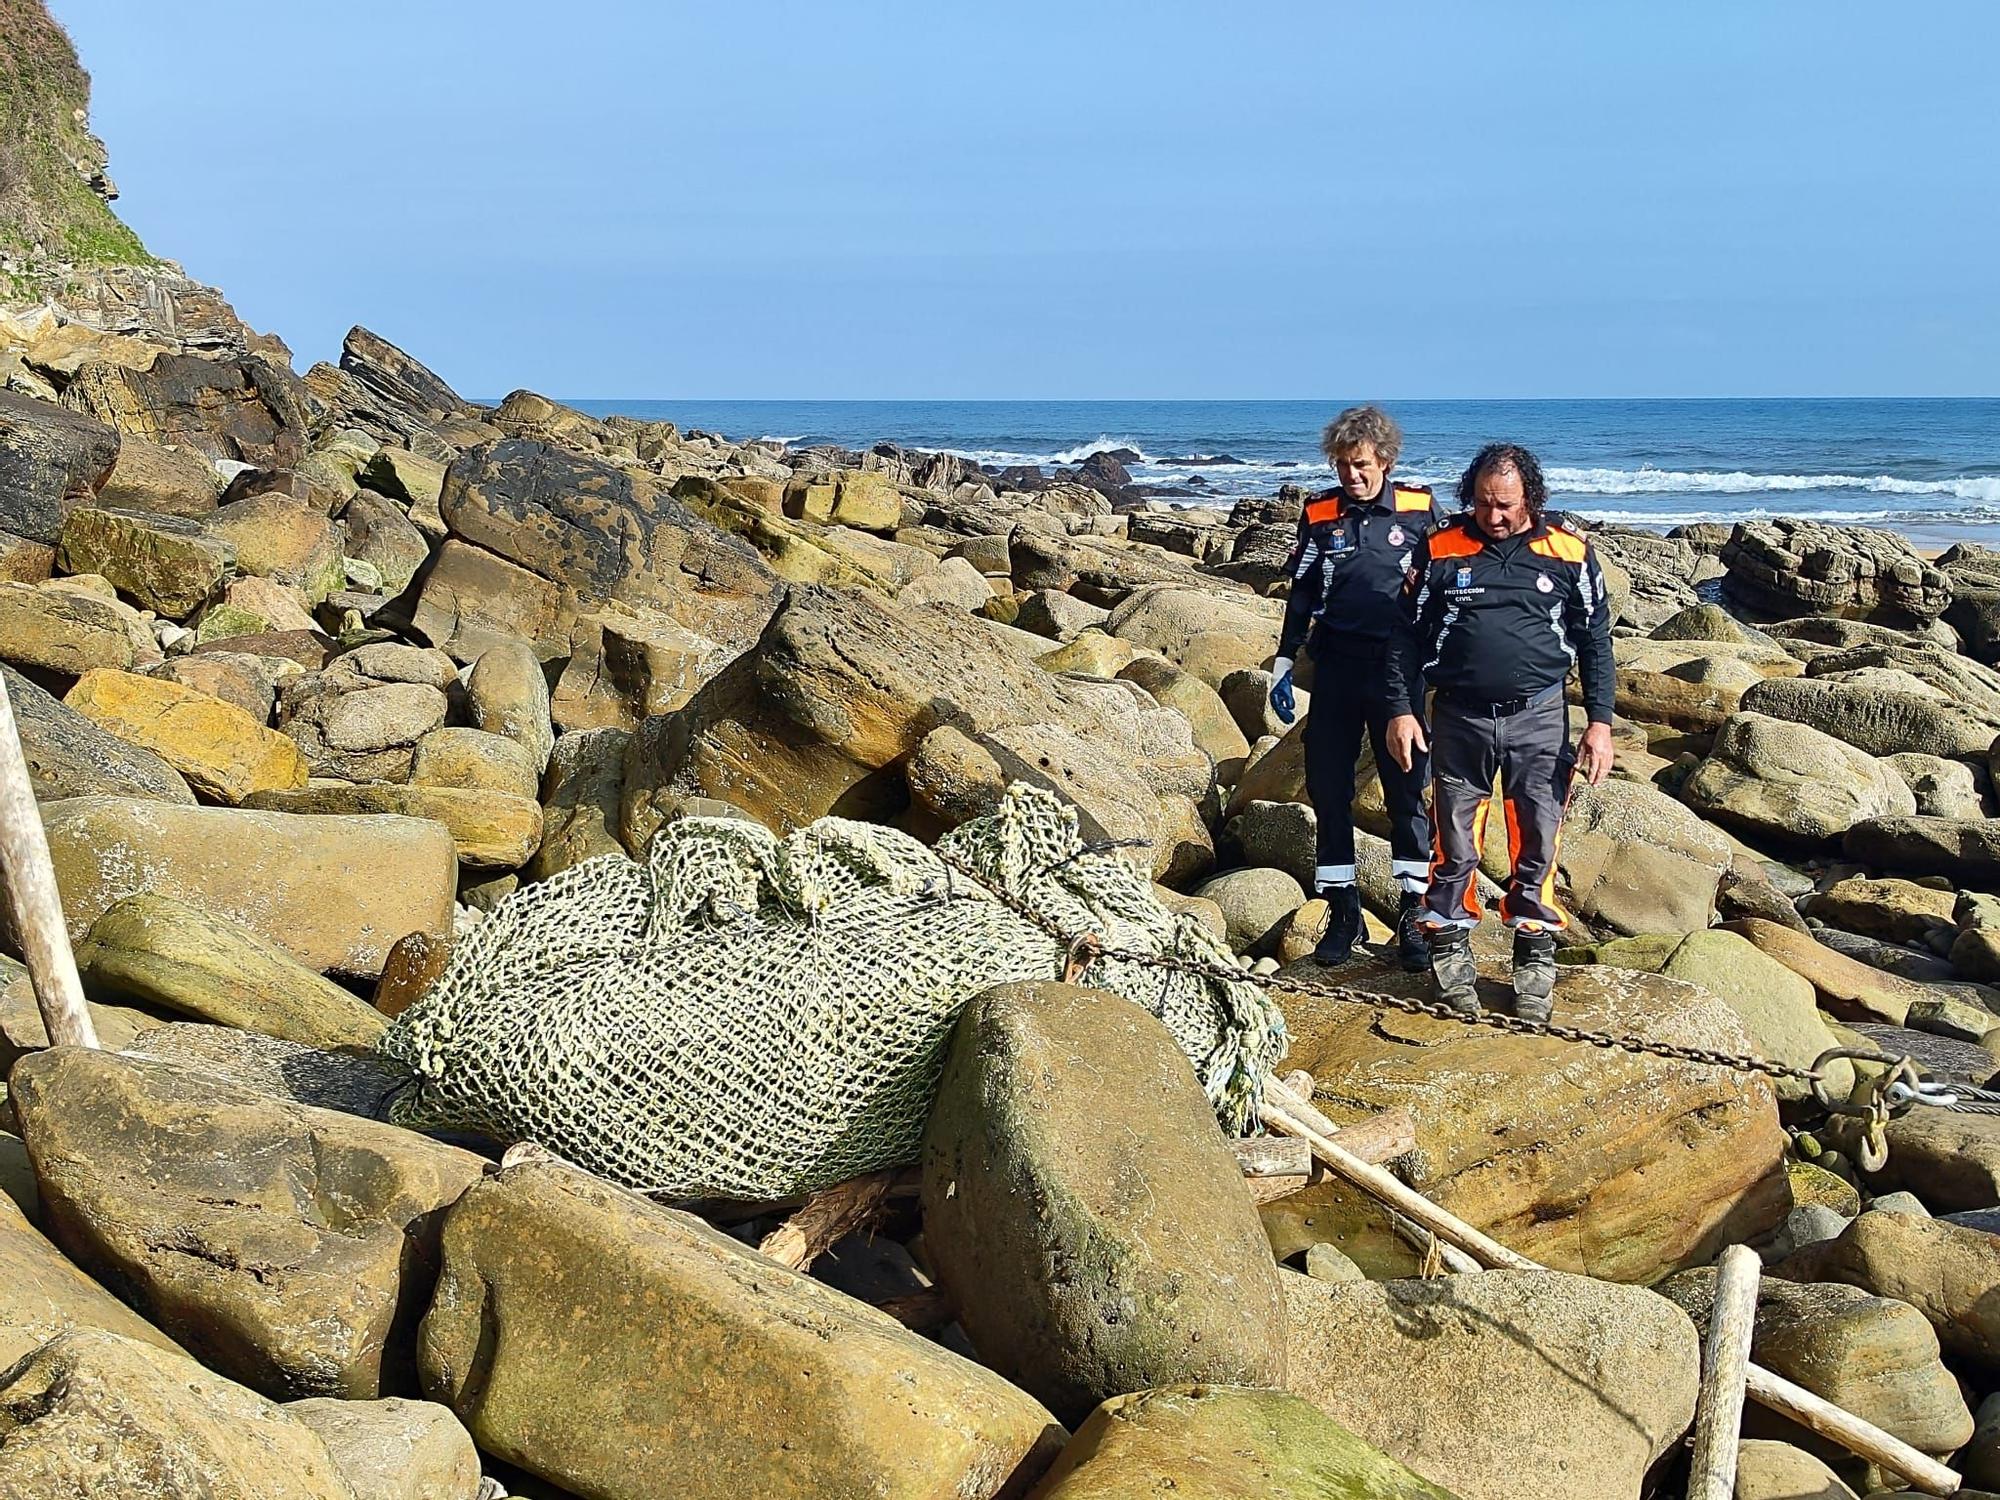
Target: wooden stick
[
  {"x": 1765, "y": 1387},
  {"x": 1718, "y": 1413},
  {"x": 827, "y": 1216},
  {"x": 32, "y": 896},
  {"x": 1272, "y": 1156}
]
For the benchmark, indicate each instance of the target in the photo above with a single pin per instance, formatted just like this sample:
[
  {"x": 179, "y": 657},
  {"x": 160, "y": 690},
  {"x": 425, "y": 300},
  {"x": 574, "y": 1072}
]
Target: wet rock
[
  {"x": 1600, "y": 1161},
  {"x": 224, "y": 754},
  {"x": 1224, "y": 1443},
  {"x": 286, "y": 1247},
  {"x": 335, "y": 893},
  {"x": 91, "y": 1413},
  {"x": 1168, "y": 1277},
  {"x": 1580, "y": 1385},
  {"x": 154, "y": 951},
  {"x": 1790, "y": 782},
  {"x": 694, "y": 1342}
]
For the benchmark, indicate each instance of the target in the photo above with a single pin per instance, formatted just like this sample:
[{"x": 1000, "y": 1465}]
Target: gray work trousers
[{"x": 1528, "y": 749}]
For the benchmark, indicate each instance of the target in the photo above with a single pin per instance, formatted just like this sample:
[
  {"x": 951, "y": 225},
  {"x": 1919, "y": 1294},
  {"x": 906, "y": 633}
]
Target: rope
[{"x": 1088, "y": 947}]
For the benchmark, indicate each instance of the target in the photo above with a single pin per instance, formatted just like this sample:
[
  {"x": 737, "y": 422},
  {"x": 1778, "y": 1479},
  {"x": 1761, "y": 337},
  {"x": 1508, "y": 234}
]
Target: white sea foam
[
  {"x": 1103, "y": 444},
  {"x": 773, "y": 437},
  {"x": 1984, "y": 490}
]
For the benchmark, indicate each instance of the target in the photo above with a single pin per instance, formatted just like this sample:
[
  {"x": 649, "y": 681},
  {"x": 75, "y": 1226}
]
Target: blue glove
[{"x": 1282, "y": 702}]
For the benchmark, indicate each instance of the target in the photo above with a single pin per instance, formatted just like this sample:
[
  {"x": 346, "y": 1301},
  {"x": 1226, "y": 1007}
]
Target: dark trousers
[
  {"x": 1529, "y": 751},
  {"x": 1347, "y": 698}
]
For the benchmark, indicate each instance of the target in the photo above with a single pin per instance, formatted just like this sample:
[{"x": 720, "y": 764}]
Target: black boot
[
  {"x": 1413, "y": 944},
  {"x": 1534, "y": 974},
  {"x": 1343, "y": 926},
  {"x": 1453, "y": 970}
]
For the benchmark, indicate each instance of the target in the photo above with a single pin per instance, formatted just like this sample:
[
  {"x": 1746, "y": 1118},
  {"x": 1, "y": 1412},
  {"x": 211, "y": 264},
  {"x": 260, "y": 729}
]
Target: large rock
[
  {"x": 394, "y": 1449},
  {"x": 1223, "y": 1443},
  {"x": 1846, "y": 986},
  {"x": 1786, "y": 567},
  {"x": 50, "y": 461},
  {"x": 1215, "y": 730},
  {"x": 1602, "y": 1161},
  {"x": 1879, "y": 720},
  {"x": 1768, "y": 1470},
  {"x": 280, "y": 539},
  {"x": 224, "y": 754},
  {"x": 1947, "y": 1272},
  {"x": 1950, "y": 1160},
  {"x": 1791, "y": 782},
  {"x": 394, "y": 377},
  {"x": 335, "y": 893},
  {"x": 1166, "y": 1275},
  {"x": 169, "y": 564},
  {"x": 507, "y": 694},
  {"x": 1943, "y": 788},
  {"x": 490, "y": 830},
  {"x": 65, "y": 630},
  {"x": 818, "y": 716},
  {"x": 163, "y": 481},
  {"x": 596, "y": 533},
  {"x": 91, "y": 1413},
  {"x": 624, "y": 668},
  {"x": 374, "y": 531},
  {"x": 477, "y": 761},
  {"x": 1777, "y": 1007},
  {"x": 1634, "y": 860},
  {"x": 248, "y": 409},
  {"x": 1896, "y": 911},
  {"x": 580, "y": 797},
  {"x": 1207, "y": 634},
  {"x": 154, "y": 951},
  {"x": 470, "y": 600},
  {"x": 68, "y": 756},
  {"x": 705, "y": 1361},
  {"x": 44, "y": 1295},
  {"x": 1504, "y": 1385},
  {"x": 289, "y": 1248},
  {"x": 1966, "y": 849},
  {"x": 1254, "y": 903}
]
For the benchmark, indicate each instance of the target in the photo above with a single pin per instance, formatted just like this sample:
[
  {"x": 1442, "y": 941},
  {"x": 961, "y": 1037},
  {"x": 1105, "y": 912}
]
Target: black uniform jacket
[
  {"x": 1347, "y": 569},
  {"x": 1488, "y": 621}
]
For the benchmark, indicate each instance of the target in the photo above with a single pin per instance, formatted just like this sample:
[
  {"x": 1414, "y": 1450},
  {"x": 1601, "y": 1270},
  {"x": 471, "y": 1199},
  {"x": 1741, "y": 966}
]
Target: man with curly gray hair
[{"x": 1354, "y": 547}]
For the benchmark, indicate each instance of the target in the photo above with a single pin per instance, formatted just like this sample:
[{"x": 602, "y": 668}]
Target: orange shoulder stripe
[
  {"x": 1454, "y": 541},
  {"x": 1412, "y": 499},
  {"x": 1560, "y": 544},
  {"x": 1322, "y": 508}
]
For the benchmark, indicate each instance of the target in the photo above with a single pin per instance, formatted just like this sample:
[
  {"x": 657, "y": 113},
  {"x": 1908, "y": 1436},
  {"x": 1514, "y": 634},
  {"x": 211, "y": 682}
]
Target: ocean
[{"x": 1927, "y": 468}]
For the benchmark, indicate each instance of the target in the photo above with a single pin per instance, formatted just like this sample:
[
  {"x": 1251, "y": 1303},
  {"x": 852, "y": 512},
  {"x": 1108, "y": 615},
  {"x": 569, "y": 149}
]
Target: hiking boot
[
  {"x": 1343, "y": 926},
  {"x": 1413, "y": 944},
  {"x": 1534, "y": 974},
  {"x": 1452, "y": 968}
]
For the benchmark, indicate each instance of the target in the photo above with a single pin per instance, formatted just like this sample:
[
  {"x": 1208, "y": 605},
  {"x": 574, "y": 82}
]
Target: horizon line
[{"x": 1208, "y": 400}]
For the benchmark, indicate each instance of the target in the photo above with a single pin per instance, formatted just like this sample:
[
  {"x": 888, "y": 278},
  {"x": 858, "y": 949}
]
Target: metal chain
[{"x": 1081, "y": 949}]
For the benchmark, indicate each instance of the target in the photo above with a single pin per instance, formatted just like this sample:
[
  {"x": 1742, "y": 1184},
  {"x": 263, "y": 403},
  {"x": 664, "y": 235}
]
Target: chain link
[{"x": 1088, "y": 947}]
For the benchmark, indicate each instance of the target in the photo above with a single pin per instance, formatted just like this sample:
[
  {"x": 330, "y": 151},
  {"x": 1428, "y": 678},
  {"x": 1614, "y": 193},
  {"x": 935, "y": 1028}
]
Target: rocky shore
[{"x": 314, "y": 671}]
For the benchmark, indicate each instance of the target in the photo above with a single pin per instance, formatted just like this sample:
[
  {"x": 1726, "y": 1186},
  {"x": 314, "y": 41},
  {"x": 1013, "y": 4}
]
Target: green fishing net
[{"x": 752, "y": 1017}]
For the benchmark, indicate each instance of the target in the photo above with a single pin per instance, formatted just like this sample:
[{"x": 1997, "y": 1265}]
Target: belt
[{"x": 1498, "y": 708}]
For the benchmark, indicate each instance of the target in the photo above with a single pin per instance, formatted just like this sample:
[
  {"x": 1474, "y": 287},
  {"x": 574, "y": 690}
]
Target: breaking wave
[{"x": 1984, "y": 490}]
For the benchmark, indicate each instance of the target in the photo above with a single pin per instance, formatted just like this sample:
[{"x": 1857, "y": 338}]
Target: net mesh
[{"x": 748, "y": 1017}]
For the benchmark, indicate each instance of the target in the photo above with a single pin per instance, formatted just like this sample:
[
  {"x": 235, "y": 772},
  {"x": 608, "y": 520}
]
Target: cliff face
[{"x": 55, "y": 215}]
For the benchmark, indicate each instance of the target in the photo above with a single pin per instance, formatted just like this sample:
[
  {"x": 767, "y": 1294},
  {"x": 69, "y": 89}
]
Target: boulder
[
  {"x": 224, "y": 754},
  {"x": 336, "y": 893},
  {"x": 1634, "y": 860},
  {"x": 286, "y": 1247},
  {"x": 1167, "y": 1277},
  {"x": 394, "y": 377},
  {"x": 1966, "y": 849},
  {"x": 358, "y": 727},
  {"x": 624, "y": 667},
  {"x": 954, "y": 581},
  {"x": 1208, "y": 634},
  {"x": 694, "y": 1343},
  {"x": 490, "y": 830},
  {"x": 1787, "y": 781},
  {"x": 50, "y": 461},
  {"x": 1059, "y": 616},
  {"x": 1215, "y": 730},
  {"x": 279, "y": 539},
  {"x": 153, "y": 951},
  {"x": 1951, "y": 1161},
  {"x": 1947, "y": 1272},
  {"x": 69, "y": 756},
  {"x": 394, "y": 1448},
  {"x": 594, "y": 533},
  {"x": 250, "y": 682},
  {"x": 1878, "y": 720},
  {"x": 1935, "y": 668},
  {"x": 1943, "y": 788},
  {"x": 1896, "y": 911},
  {"x": 374, "y": 531},
  {"x": 22, "y": 1030},
  {"x": 477, "y": 761},
  {"x": 1846, "y": 987},
  {"x": 93, "y": 1413},
  {"x": 162, "y": 481},
  {"x": 67, "y": 631},
  {"x": 1090, "y": 653},
  {"x": 1777, "y": 1007},
  {"x": 850, "y": 497},
  {"x": 1255, "y": 903},
  {"x": 1874, "y": 1357},
  {"x": 1248, "y": 696},
  {"x": 246, "y": 408},
  {"x": 1502, "y": 1385},
  {"x": 506, "y": 694},
  {"x": 1767, "y": 1470},
  {"x": 169, "y": 564},
  {"x": 1601, "y": 1161},
  {"x": 43, "y": 1295},
  {"x": 254, "y": 606},
  {"x": 580, "y": 797},
  {"x": 1223, "y": 1443},
  {"x": 1785, "y": 567},
  {"x": 470, "y": 600}
]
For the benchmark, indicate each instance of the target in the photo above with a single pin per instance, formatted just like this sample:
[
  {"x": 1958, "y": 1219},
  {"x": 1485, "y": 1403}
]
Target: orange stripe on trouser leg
[
  {"x": 1555, "y": 863},
  {"x": 1478, "y": 848}
]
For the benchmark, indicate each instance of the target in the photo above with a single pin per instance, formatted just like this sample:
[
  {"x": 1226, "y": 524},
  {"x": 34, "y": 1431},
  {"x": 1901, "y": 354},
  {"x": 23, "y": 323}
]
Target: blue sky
[{"x": 1089, "y": 200}]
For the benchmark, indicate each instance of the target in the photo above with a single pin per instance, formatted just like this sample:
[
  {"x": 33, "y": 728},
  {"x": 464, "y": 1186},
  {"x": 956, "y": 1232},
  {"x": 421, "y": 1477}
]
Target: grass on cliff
[{"x": 48, "y": 211}]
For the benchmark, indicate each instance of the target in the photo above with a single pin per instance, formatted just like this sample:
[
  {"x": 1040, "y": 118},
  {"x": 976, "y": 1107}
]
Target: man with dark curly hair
[
  {"x": 1500, "y": 604},
  {"x": 1355, "y": 543}
]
